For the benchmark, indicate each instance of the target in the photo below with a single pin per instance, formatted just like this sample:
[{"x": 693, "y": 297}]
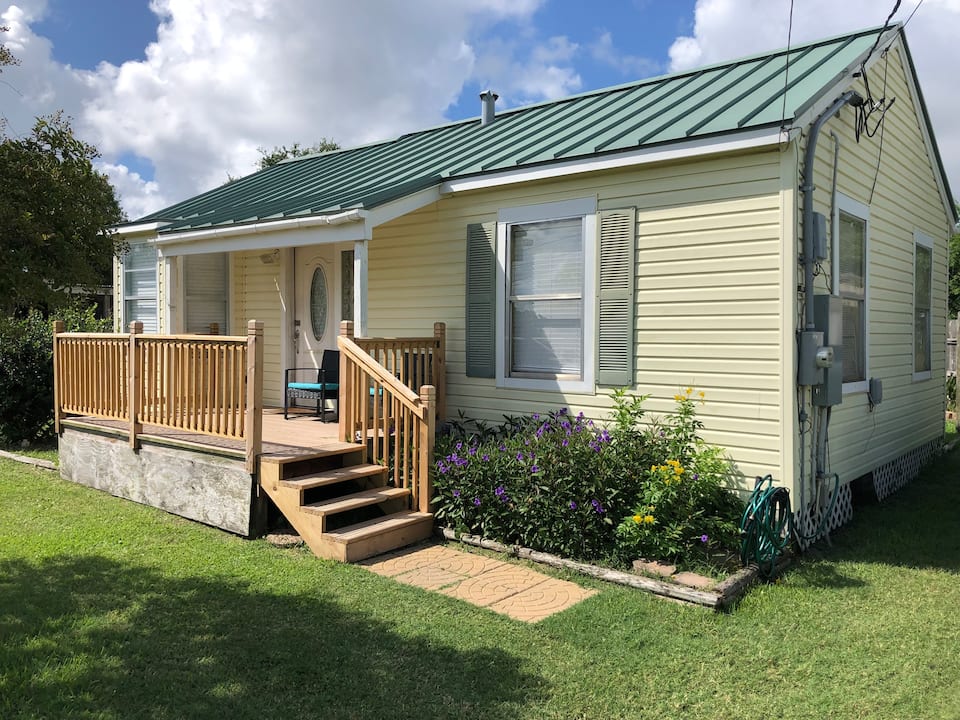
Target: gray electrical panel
[{"x": 828, "y": 319}]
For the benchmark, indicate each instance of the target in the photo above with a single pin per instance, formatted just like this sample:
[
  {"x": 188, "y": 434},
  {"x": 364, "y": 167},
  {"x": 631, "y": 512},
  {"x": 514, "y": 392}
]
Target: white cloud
[
  {"x": 225, "y": 78},
  {"x": 727, "y": 29},
  {"x": 522, "y": 71},
  {"x": 633, "y": 66}
]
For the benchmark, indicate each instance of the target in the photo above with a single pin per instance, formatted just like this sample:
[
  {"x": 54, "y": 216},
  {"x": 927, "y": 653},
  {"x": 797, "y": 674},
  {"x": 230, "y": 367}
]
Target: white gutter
[
  {"x": 260, "y": 228},
  {"x": 673, "y": 151}
]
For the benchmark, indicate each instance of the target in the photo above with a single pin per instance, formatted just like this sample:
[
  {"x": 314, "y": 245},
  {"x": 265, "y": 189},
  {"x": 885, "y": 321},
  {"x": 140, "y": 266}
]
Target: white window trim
[
  {"x": 124, "y": 321},
  {"x": 853, "y": 207},
  {"x": 582, "y": 207},
  {"x": 925, "y": 241}
]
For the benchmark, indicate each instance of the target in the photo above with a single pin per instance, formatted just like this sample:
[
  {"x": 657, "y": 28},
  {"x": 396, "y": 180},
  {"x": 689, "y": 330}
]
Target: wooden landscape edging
[{"x": 720, "y": 597}]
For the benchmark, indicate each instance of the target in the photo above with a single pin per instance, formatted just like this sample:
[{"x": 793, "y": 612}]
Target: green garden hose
[{"x": 767, "y": 524}]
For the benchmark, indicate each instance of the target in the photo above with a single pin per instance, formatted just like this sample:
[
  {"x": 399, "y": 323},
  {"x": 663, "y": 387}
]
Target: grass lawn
[{"x": 113, "y": 610}]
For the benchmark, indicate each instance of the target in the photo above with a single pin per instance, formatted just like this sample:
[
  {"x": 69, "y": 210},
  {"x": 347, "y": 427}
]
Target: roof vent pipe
[{"x": 488, "y": 99}]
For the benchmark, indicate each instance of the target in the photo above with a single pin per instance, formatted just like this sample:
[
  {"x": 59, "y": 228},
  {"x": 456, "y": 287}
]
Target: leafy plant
[
  {"x": 561, "y": 483},
  {"x": 26, "y": 371}
]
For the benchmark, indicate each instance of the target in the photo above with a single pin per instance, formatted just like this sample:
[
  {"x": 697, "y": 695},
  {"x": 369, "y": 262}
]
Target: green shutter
[
  {"x": 481, "y": 300},
  {"x": 616, "y": 339}
]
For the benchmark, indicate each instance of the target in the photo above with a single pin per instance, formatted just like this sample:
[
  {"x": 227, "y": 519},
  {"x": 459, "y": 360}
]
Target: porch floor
[{"x": 302, "y": 434}]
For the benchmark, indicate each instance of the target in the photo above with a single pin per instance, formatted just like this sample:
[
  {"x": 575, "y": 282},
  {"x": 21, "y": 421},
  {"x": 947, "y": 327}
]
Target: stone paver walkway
[{"x": 518, "y": 592}]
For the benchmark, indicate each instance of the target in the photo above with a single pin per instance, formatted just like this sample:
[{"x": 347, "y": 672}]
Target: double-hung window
[
  {"x": 922, "y": 306},
  {"x": 140, "y": 286},
  {"x": 850, "y": 283},
  {"x": 547, "y": 295}
]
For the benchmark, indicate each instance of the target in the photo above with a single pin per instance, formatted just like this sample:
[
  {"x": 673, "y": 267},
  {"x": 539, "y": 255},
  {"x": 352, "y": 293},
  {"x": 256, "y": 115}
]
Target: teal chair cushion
[{"x": 316, "y": 387}]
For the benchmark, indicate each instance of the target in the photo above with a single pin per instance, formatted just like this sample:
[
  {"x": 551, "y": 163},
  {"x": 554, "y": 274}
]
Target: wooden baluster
[
  {"x": 136, "y": 328},
  {"x": 428, "y": 398},
  {"x": 254, "y": 393}
]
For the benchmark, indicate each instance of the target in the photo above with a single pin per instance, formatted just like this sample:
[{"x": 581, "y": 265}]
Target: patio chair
[{"x": 326, "y": 387}]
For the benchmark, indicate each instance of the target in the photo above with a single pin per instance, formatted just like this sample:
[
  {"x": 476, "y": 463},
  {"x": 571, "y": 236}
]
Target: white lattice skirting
[
  {"x": 807, "y": 522},
  {"x": 887, "y": 479},
  {"x": 891, "y": 476}
]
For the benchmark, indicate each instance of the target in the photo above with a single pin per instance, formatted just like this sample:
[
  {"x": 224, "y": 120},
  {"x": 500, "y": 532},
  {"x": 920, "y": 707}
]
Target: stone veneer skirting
[{"x": 213, "y": 490}]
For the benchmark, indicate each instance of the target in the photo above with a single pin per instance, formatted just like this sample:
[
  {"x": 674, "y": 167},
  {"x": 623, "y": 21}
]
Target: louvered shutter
[
  {"x": 205, "y": 292},
  {"x": 615, "y": 346},
  {"x": 481, "y": 300}
]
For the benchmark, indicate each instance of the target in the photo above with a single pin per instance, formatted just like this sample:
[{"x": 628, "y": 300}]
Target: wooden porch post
[
  {"x": 345, "y": 418},
  {"x": 439, "y": 369},
  {"x": 254, "y": 420},
  {"x": 428, "y": 396},
  {"x": 133, "y": 370},
  {"x": 58, "y": 327}
]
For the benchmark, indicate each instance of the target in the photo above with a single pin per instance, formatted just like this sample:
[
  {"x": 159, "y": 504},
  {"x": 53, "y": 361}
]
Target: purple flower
[
  {"x": 534, "y": 469},
  {"x": 503, "y": 448},
  {"x": 696, "y": 476},
  {"x": 485, "y": 457},
  {"x": 519, "y": 457},
  {"x": 456, "y": 493},
  {"x": 573, "y": 505},
  {"x": 501, "y": 490},
  {"x": 597, "y": 507},
  {"x": 536, "y": 416},
  {"x": 459, "y": 446},
  {"x": 476, "y": 502},
  {"x": 704, "y": 538},
  {"x": 563, "y": 411},
  {"x": 472, "y": 451},
  {"x": 564, "y": 443},
  {"x": 580, "y": 415},
  {"x": 604, "y": 436},
  {"x": 442, "y": 468}
]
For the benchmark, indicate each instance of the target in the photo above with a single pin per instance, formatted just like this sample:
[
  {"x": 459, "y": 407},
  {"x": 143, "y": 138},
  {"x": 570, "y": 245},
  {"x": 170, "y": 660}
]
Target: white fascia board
[
  {"x": 402, "y": 206},
  {"x": 292, "y": 232},
  {"x": 126, "y": 231},
  {"x": 293, "y": 237},
  {"x": 674, "y": 151}
]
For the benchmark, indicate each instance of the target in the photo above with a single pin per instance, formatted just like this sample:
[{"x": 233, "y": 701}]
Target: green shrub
[
  {"x": 560, "y": 483},
  {"x": 952, "y": 393},
  {"x": 684, "y": 509},
  {"x": 26, "y": 372}
]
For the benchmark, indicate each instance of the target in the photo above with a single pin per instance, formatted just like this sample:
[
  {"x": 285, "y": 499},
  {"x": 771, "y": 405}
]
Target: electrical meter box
[{"x": 828, "y": 319}]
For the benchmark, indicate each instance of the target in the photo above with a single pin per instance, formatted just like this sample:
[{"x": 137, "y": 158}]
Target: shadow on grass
[
  {"x": 88, "y": 637},
  {"x": 917, "y": 527}
]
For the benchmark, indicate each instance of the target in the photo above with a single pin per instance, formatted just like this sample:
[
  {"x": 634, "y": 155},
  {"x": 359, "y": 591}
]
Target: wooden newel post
[
  {"x": 439, "y": 369},
  {"x": 345, "y": 395},
  {"x": 133, "y": 396},
  {"x": 58, "y": 327},
  {"x": 428, "y": 428},
  {"x": 254, "y": 411}
]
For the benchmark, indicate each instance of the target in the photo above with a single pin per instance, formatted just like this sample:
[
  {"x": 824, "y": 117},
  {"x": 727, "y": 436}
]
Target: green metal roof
[{"x": 710, "y": 102}]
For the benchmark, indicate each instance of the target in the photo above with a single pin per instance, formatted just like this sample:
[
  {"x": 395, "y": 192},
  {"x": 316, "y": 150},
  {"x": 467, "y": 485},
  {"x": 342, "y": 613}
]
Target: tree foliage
[
  {"x": 269, "y": 158},
  {"x": 56, "y": 211}
]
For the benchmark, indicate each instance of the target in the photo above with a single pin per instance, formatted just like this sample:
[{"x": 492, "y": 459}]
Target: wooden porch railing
[
  {"x": 212, "y": 385},
  {"x": 378, "y": 407}
]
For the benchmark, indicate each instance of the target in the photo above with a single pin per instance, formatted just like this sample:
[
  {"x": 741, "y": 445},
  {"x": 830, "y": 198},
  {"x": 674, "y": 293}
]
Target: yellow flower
[
  {"x": 654, "y": 468},
  {"x": 702, "y": 394},
  {"x": 638, "y": 519},
  {"x": 689, "y": 390},
  {"x": 649, "y": 519},
  {"x": 678, "y": 470},
  {"x": 678, "y": 398}
]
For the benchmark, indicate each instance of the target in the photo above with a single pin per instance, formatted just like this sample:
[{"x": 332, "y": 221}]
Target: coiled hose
[{"x": 767, "y": 524}]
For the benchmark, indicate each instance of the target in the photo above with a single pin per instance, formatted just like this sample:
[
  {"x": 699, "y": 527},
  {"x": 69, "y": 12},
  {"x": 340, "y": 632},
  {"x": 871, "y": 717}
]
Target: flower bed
[{"x": 610, "y": 492}]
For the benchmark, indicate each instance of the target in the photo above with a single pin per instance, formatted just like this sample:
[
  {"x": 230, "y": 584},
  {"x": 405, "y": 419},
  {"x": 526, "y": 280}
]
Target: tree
[
  {"x": 56, "y": 212},
  {"x": 282, "y": 152}
]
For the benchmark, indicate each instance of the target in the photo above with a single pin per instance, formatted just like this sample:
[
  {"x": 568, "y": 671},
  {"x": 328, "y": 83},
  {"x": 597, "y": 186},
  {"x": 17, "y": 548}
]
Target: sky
[{"x": 179, "y": 94}]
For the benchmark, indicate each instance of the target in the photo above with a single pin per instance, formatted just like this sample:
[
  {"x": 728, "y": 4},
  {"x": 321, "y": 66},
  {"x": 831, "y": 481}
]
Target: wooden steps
[{"x": 342, "y": 507}]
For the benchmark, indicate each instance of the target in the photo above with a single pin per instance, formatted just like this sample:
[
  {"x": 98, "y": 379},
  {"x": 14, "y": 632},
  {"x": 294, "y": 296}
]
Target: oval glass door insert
[{"x": 318, "y": 303}]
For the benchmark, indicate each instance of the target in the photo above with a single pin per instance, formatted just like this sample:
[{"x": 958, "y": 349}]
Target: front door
[{"x": 315, "y": 321}]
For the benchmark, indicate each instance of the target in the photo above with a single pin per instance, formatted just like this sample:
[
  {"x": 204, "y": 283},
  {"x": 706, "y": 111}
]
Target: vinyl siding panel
[
  {"x": 904, "y": 200},
  {"x": 707, "y": 300},
  {"x": 256, "y": 296}
]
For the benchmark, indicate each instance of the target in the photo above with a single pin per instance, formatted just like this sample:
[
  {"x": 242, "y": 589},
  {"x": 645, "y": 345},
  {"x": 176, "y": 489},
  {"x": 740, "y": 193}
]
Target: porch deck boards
[{"x": 302, "y": 434}]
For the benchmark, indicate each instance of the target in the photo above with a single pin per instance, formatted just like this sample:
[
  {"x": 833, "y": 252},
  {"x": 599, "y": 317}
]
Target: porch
[{"x": 177, "y": 422}]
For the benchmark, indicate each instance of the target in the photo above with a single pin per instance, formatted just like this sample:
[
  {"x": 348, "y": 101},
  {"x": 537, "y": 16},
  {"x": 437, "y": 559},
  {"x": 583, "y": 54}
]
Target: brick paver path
[{"x": 509, "y": 589}]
